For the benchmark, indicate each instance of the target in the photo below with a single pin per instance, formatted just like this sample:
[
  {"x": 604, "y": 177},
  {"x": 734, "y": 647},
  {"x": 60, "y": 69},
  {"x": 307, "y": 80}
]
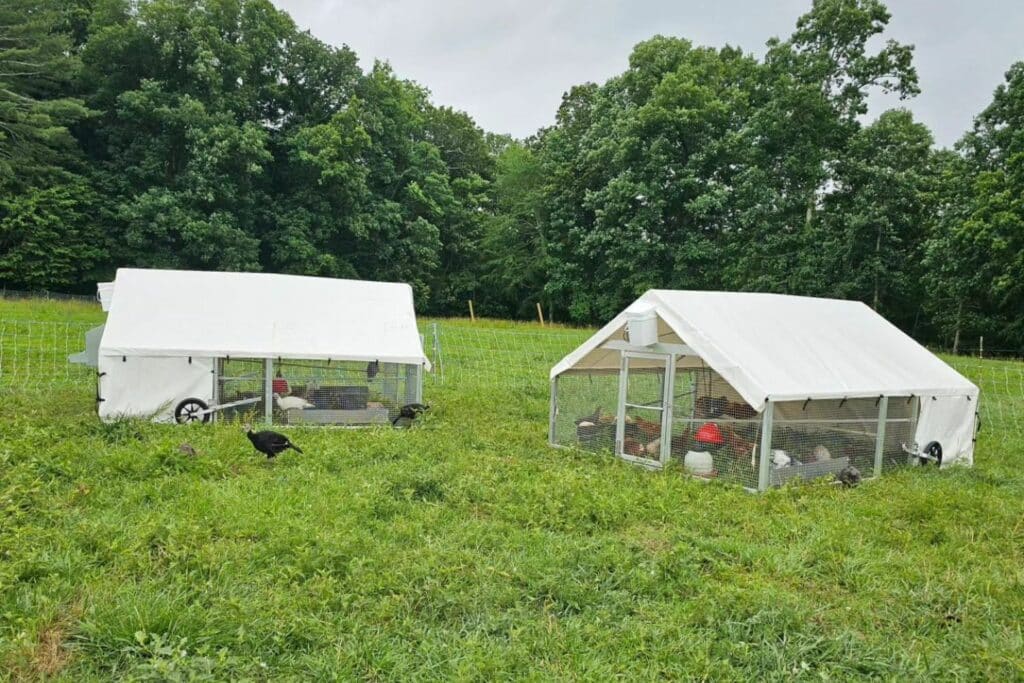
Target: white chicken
[{"x": 292, "y": 402}]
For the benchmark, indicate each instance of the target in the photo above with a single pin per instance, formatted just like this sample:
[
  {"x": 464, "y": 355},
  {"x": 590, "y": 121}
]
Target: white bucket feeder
[{"x": 642, "y": 326}]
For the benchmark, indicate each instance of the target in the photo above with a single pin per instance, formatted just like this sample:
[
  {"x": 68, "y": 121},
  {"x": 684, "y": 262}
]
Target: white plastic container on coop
[{"x": 642, "y": 326}]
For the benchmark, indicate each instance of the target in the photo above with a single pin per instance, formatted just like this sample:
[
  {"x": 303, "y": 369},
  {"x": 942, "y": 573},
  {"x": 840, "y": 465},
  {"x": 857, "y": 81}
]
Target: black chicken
[
  {"x": 270, "y": 443},
  {"x": 410, "y": 411},
  {"x": 849, "y": 476}
]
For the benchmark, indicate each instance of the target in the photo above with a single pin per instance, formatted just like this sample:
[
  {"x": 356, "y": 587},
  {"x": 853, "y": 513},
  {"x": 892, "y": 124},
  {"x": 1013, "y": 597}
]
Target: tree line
[{"x": 214, "y": 134}]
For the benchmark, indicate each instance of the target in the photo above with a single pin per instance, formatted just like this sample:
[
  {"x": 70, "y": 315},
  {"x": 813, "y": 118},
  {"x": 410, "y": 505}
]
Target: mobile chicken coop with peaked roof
[
  {"x": 758, "y": 389},
  {"x": 191, "y": 346}
]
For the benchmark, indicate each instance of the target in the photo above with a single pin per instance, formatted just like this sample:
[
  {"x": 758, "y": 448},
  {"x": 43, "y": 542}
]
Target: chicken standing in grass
[
  {"x": 849, "y": 476},
  {"x": 410, "y": 411},
  {"x": 270, "y": 443}
]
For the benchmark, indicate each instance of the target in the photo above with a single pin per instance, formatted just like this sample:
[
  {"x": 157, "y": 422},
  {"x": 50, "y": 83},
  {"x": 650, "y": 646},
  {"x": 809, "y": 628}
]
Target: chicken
[
  {"x": 849, "y": 476},
  {"x": 410, "y": 411},
  {"x": 708, "y": 408},
  {"x": 270, "y": 443},
  {"x": 741, "y": 411},
  {"x": 646, "y": 429},
  {"x": 632, "y": 447},
  {"x": 292, "y": 402}
]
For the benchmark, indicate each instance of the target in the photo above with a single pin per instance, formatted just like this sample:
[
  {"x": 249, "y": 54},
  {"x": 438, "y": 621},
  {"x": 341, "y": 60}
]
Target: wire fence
[
  {"x": 34, "y": 354},
  {"x": 506, "y": 357},
  {"x": 45, "y": 295}
]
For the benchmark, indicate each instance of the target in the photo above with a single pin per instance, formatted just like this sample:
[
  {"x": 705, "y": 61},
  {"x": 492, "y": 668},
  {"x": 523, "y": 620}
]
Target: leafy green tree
[
  {"x": 516, "y": 260},
  {"x": 977, "y": 252},
  {"x": 875, "y": 220},
  {"x": 47, "y": 238},
  {"x": 36, "y": 68},
  {"x": 814, "y": 86}
]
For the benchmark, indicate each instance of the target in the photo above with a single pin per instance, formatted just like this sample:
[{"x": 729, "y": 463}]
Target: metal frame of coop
[
  {"x": 343, "y": 392},
  {"x": 647, "y": 412}
]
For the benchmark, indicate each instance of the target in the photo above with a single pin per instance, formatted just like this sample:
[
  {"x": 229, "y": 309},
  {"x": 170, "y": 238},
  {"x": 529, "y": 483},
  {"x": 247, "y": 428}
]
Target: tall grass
[{"x": 465, "y": 548}]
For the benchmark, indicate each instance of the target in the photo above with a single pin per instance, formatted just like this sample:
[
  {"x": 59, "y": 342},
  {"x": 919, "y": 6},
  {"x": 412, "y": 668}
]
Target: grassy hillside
[{"x": 465, "y": 548}]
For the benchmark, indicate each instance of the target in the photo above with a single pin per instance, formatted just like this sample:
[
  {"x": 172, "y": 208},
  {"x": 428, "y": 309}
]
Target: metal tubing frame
[
  {"x": 620, "y": 427},
  {"x": 765, "y": 450},
  {"x": 883, "y": 411},
  {"x": 667, "y": 407},
  {"x": 268, "y": 391},
  {"x": 216, "y": 384}
]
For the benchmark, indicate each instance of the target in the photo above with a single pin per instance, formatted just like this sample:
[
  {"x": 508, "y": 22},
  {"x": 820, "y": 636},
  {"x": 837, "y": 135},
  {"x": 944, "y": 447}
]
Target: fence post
[
  {"x": 553, "y": 414},
  {"x": 540, "y": 314},
  {"x": 438, "y": 353},
  {"x": 472, "y": 316},
  {"x": 981, "y": 347}
]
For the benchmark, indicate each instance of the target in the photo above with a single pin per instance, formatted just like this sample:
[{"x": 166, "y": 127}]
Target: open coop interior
[
  {"x": 347, "y": 393},
  {"x": 715, "y": 434}
]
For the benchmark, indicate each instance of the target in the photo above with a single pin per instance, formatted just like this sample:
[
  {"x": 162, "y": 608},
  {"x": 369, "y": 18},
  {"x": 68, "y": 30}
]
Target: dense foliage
[{"x": 215, "y": 134}]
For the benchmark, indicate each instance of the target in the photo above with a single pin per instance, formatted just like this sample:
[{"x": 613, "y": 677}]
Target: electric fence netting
[{"x": 487, "y": 354}]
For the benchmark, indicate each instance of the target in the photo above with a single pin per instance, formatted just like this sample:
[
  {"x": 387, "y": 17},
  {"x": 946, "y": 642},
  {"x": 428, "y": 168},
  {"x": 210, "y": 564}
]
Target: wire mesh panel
[
  {"x": 900, "y": 429},
  {"x": 317, "y": 391},
  {"x": 240, "y": 381},
  {"x": 815, "y": 438},
  {"x": 643, "y": 407},
  {"x": 585, "y": 410},
  {"x": 715, "y": 434}
]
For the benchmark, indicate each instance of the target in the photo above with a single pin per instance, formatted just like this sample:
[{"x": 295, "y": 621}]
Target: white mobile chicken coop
[
  {"x": 758, "y": 389},
  {"x": 194, "y": 346}
]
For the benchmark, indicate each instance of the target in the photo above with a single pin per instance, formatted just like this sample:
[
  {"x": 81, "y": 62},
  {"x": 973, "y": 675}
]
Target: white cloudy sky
[{"x": 507, "y": 62}]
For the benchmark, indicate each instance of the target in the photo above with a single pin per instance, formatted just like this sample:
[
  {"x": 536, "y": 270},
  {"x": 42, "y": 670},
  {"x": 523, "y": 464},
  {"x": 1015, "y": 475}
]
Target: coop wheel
[
  {"x": 191, "y": 410},
  {"x": 932, "y": 453}
]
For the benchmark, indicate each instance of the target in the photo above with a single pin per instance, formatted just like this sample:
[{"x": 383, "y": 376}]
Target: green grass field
[{"x": 467, "y": 549}]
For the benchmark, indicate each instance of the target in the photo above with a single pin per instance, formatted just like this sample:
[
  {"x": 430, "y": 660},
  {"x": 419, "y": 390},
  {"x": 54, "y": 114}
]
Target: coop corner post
[
  {"x": 268, "y": 391},
  {"x": 883, "y": 412},
  {"x": 668, "y": 409},
  {"x": 765, "y": 450}
]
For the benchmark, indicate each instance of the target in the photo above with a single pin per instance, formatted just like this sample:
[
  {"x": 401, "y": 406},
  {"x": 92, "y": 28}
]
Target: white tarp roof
[
  {"x": 786, "y": 347},
  {"x": 260, "y": 315}
]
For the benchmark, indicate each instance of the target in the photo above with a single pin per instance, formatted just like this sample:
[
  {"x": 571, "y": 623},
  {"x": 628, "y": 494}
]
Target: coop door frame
[{"x": 669, "y": 360}]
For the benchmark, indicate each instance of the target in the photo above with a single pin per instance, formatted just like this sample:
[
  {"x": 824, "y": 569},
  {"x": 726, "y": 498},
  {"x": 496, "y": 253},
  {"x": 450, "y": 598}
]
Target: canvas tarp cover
[
  {"x": 260, "y": 315},
  {"x": 790, "y": 348}
]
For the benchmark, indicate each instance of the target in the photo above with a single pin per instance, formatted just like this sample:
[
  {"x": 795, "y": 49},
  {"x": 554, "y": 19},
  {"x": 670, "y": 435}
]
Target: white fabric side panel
[
  {"x": 141, "y": 386},
  {"x": 950, "y": 420}
]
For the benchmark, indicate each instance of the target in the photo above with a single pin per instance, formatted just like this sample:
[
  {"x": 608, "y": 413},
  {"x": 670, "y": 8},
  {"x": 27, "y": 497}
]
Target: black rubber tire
[
  {"x": 934, "y": 451},
  {"x": 189, "y": 411}
]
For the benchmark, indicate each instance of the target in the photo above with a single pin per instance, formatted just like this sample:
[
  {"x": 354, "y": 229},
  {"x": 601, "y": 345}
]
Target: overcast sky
[{"x": 507, "y": 62}]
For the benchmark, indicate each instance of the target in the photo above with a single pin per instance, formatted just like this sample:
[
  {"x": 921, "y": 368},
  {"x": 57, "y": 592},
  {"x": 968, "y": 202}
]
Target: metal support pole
[
  {"x": 419, "y": 383},
  {"x": 883, "y": 412},
  {"x": 553, "y": 413},
  {"x": 765, "y": 451},
  {"x": 268, "y": 391},
  {"x": 620, "y": 413},
  {"x": 667, "y": 404},
  {"x": 216, "y": 385}
]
